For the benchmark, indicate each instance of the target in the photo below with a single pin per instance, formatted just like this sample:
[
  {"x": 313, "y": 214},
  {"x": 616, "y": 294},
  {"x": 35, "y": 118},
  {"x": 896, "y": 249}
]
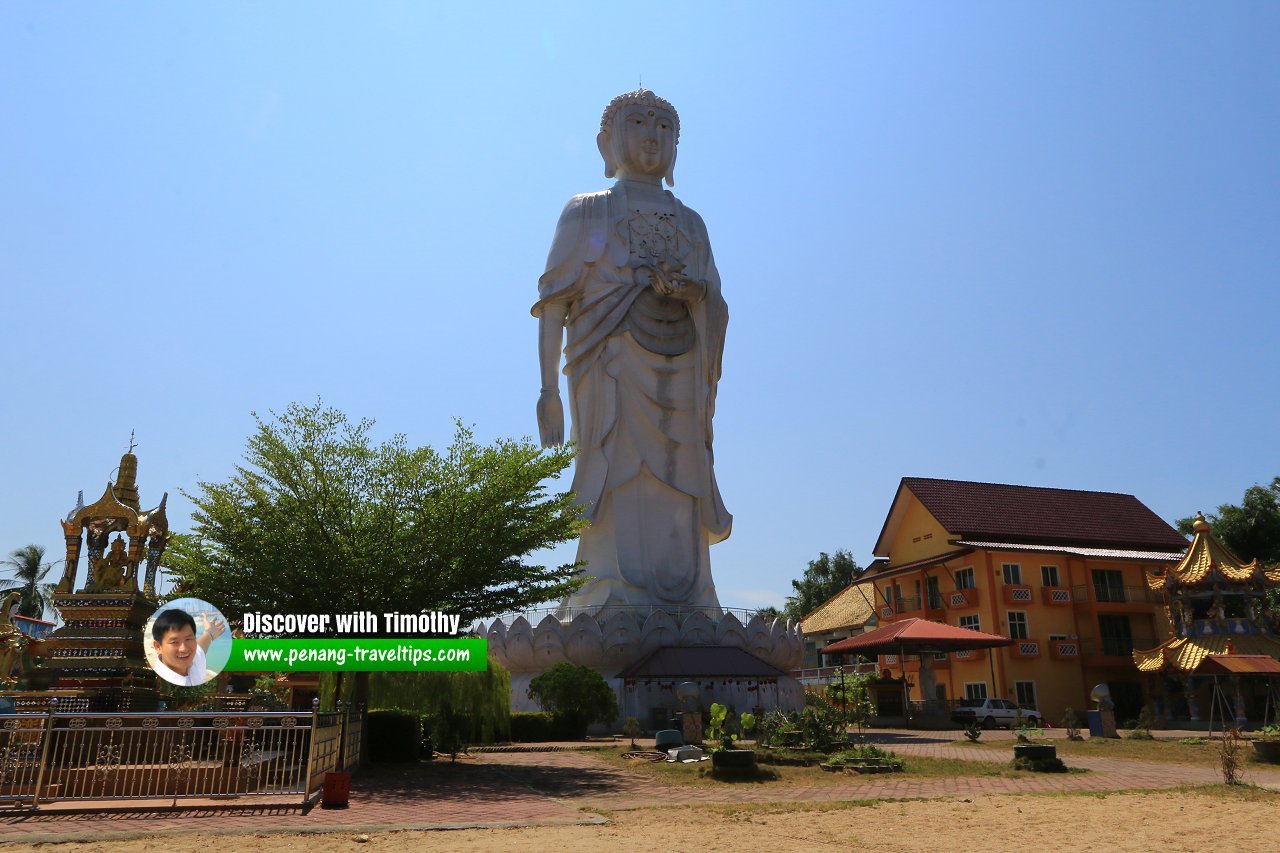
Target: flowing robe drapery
[{"x": 641, "y": 421}]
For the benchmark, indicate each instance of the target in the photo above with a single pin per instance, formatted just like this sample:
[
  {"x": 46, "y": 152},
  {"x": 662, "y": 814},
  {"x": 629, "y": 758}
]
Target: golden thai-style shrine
[
  {"x": 1217, "y": 606},
  {"x": 95, "y": 661}
]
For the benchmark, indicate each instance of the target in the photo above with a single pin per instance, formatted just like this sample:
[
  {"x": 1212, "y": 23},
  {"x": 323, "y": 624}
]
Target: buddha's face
[{"x": 643, "y": 141}]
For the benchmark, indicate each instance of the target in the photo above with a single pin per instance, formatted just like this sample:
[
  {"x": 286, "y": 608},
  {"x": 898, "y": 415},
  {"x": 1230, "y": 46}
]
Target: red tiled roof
[
  {"x": 1036, "y": 514},
  {"x": 916, "y": 635}
]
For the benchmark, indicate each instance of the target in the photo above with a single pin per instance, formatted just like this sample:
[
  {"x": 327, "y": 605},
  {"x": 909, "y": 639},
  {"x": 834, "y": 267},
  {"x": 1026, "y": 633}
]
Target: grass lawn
[
  {"x": 1164, "y": 750},
  {"x": 700, "y": 773}
]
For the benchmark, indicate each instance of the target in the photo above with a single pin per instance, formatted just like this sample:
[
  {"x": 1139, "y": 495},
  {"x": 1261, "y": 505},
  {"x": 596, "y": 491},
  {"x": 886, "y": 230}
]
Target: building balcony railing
[
  {"x": 1025, "y": 649},
  {"x": 1055, "y": 595},
  {"x": 1064, "y": 649},
  {"x": 1017, "y": 594},
  {"x": 1103, "y": 594},
  {"x": 1116, "y": 647},
  {"x": 961, "y": 599},
  {"x": 907, "y": 604}
]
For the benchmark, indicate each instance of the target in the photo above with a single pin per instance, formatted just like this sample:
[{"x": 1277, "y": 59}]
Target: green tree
[
  {"x": 1251, "y": 530},
  {"x": 575, "y": 693},
  {"x": 769, "y": 613},
  {"x": 29, "y": 570},
  {"x": 319, "y": 519},
  {"x": 824, "y": 577}
]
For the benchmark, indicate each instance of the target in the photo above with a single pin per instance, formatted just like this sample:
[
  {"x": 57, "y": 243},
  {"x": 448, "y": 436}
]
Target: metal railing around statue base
[
  {"x": 268, "y": 758},
  {"x": 641, "y": 611}
]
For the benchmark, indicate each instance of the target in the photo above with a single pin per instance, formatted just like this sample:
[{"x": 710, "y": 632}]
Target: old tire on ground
[{"x": 1035, "y": 751}]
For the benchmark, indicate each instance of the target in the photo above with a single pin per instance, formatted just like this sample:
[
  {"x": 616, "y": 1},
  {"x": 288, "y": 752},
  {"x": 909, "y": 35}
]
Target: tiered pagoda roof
[
  {"x": 1185, "y": 654},
  {"x": 1210, "y": 565},
  {"x": 1208, "y": 562}
]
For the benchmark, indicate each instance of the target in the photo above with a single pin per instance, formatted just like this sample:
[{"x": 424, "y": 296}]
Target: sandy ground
[{"x": 1157, "y": 821}]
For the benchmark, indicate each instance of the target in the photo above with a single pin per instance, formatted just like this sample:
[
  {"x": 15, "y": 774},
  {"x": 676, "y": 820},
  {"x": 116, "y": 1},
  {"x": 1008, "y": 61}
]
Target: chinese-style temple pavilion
[{"x": 1217, "y": 605}]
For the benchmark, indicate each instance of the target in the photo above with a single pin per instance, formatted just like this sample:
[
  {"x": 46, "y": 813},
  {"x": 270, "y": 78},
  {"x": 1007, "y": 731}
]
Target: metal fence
[{"x": 127, "y": 758}]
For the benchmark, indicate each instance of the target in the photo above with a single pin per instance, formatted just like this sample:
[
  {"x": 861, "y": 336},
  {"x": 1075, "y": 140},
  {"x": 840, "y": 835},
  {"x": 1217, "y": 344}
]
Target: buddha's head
[{"x": 638, "y": 136}]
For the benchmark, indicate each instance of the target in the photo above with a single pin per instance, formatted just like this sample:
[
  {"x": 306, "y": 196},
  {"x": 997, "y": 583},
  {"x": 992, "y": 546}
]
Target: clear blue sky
[{"x": 1015, "y": 242}]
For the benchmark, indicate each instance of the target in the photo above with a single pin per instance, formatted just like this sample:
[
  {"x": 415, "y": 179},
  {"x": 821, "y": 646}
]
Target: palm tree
[{"x": 28, "y": 573}]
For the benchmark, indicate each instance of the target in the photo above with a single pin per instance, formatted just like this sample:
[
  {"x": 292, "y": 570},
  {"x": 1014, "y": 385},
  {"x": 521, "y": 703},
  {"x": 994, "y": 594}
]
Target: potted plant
[
  {"x": 723, "y": 755},
  {"x": 1266, "y": 743},
  {"x": 1031, "y": 752}
]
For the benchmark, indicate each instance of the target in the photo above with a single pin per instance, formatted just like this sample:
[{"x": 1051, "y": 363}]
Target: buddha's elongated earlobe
[
  {"x": 671, "y": 170},
  {"x": 605, "y": 144}
]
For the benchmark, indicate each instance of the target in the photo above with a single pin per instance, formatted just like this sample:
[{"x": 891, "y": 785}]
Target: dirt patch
[{"x": 1243, "y": 820}]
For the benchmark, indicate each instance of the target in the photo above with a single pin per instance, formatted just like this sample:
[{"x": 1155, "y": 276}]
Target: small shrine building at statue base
[{"x": 741, "y": 659}]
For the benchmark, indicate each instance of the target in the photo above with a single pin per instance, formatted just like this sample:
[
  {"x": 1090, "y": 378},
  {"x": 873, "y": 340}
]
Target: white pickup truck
[{"x": 990, "y": 713}]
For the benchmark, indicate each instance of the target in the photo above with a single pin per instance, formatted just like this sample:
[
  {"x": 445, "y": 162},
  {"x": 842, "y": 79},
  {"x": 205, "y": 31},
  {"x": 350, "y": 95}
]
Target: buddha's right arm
[{"x": 550, "y": 340}]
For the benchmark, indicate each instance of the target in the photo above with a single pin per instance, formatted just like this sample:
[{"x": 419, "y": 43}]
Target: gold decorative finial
[
  {"x": 126, "y": 484},
  {"x": 1200, "y": 525}
]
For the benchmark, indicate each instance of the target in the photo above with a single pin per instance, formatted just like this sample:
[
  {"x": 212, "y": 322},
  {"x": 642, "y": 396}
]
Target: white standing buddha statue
[{"x": 632, "y": 293}]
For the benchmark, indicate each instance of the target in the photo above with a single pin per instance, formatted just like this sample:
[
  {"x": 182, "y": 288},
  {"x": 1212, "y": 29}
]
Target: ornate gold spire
[{"x": 126, "y": 485}]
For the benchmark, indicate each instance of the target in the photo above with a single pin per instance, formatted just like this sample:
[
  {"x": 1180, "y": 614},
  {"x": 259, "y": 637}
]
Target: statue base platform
[{"x": 740, "y": 660}]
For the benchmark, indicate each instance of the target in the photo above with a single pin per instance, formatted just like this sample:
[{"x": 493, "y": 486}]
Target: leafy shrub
[
  {"x": 771, "y": 726},
  {"x": 1026, "y": 734},
  {"x": 1229, "y": 756},
  {"x": 822, "y": 723},
  {"x": 576, "y": 694},
  {"x": 1140, "y": 729},
  {"x": 852, "y": 694},
  {"x": 393, "y": 736},
  {"x": 538, "y": 726},
  {"x": 1071, "y": 722},
  {"x": 632, "y": 729},
  {"x": 867, "y": 752},
  {"x": 482, "y": 698},
  {"x": 717, "y": 727},
  {"x": 973, "y": 731}
]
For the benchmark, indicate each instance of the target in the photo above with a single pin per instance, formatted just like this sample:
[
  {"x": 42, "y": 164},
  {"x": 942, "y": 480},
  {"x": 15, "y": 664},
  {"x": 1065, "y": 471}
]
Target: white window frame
[
  {"x": 970, "y": 581},
  {"x": 1016, "y": 574},
  {"x": 974, "y": 619},
  {"x": 972, "y": 691},
  {"x": 1035, "y": 695},
  {"x": 1044, "y": 575},
  {"x": 1022, "y": 621}
]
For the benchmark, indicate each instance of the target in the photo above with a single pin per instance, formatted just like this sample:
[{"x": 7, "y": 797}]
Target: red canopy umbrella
[{"x": 919, "y": 636}]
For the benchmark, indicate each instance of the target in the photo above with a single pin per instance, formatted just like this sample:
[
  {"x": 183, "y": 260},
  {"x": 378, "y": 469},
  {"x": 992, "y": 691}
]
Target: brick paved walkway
[{"x": 527, "y": 788}]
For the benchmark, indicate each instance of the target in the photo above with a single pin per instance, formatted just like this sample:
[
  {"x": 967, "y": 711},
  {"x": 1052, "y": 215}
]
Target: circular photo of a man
[{"x": 186, "y": 642}]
